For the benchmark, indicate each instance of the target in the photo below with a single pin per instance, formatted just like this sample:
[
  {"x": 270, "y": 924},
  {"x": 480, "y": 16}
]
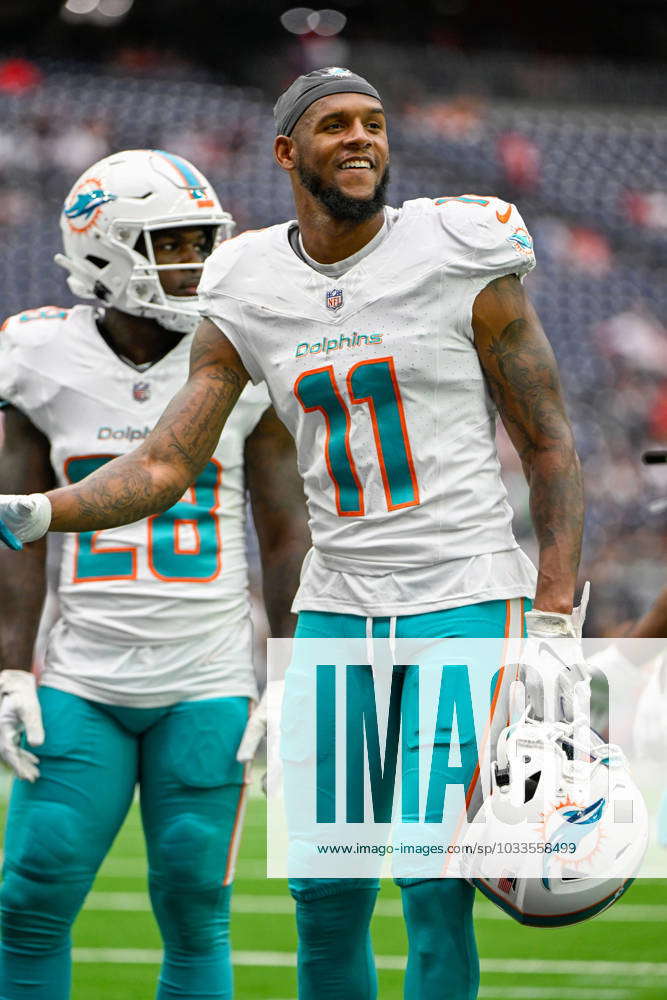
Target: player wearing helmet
[
  {"x": 114, "y": 224},
  {"x": 390, "y": 339},
  {"x": 148, "y": 676}
]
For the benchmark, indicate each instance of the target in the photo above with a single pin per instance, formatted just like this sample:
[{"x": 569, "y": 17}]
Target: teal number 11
[{"x": 372, "y": 383}]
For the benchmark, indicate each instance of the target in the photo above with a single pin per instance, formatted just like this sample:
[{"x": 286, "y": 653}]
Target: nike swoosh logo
[{"x": 504, "y": 216}]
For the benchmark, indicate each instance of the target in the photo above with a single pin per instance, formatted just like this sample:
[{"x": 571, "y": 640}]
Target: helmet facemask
[{"x": 144, "y": 294}]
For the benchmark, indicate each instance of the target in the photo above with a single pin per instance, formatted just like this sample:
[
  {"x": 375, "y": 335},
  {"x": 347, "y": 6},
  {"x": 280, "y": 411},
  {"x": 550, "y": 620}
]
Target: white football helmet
[
  {"x": 571, "y": 821},
  {"x": 115, "y": 203}
]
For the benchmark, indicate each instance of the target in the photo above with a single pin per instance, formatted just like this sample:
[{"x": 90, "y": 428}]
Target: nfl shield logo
[
  {"x": 141, "y": 391},
  {"x": 335, "y": 298}
]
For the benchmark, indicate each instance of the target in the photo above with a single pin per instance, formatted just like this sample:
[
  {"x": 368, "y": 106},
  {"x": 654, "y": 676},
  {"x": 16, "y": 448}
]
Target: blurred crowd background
[{"x": 562, "y": 115}]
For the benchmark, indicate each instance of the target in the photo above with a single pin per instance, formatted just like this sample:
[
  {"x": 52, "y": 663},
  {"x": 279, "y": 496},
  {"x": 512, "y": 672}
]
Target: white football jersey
[
  {"x": 160, "y": 607},
  {"x": 376, "y": 375}
]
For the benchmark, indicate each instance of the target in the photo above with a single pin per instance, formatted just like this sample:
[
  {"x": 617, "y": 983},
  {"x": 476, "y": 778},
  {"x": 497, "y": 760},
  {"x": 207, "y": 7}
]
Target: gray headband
[{"x": 310, "y": 88}]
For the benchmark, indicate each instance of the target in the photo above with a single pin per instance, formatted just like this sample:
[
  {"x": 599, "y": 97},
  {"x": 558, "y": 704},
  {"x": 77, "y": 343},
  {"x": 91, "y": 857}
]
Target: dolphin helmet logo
[
  {"x": 522, "y": 241},
  {"x": 589, "y": 814},
  {"x": 83, "y": 206},
  {"x": 578, "y": 823},
  {"x": 87, "y": 201}
]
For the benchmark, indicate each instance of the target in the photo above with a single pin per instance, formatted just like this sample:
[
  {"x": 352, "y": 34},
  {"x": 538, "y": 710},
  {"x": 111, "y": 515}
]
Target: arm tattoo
[
  {"x": 526, "y": 389},
  {"x": 523, "y": 381}
]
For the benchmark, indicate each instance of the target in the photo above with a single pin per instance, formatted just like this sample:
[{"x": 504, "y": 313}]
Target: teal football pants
[
  {"x": 60, "y": 829},
  {"x": 335, "y": 957}
]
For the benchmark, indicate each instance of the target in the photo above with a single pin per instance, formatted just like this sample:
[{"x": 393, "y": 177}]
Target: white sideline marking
[
  {"x": 284, "y": 904},
  {"x": 552, "y": 993},
  {"x": 502, "y": 966},
  {"x": 138, "y": 868},
  {"x": 140, "y": 903},
  {"x": 581, "y": 967},
  {"x": 630, "y": 913},
  {"x": 118, "y": 956},
  {"x": 267, "y": 904},
  {"x": 123, "y": 867},
  {"x": 137, "y": 902}
]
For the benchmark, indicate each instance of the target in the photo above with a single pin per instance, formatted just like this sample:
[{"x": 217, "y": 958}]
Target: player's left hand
[
  {"x": 19, "y": 711},
  {"x": 574, "y": 675},
  {"x": 254, "y": 732}
]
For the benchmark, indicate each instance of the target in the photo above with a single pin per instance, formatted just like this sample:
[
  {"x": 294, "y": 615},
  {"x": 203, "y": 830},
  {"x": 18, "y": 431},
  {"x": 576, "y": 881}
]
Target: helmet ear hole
[
  {"x": 97, "y": 261},
  {"x": 531, "y": 786},
  {"x": 101, "y": 291}
]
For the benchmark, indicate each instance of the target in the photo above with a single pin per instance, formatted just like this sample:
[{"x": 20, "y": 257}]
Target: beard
[{"x": 343, "y": 207}]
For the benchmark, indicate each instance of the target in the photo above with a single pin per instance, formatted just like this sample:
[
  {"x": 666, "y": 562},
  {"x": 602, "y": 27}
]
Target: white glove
[
  {"x": 19, "y": 710},
  {"x": 573, "y": 691},
  {"x": 24, "y": 518},
  {"x": 254, "y": 732}
]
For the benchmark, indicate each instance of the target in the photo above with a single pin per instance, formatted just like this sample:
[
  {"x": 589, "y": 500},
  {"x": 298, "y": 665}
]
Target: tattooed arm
[
  {"x": 156, "y": 474},
  {"x": 522, "y": 377}
]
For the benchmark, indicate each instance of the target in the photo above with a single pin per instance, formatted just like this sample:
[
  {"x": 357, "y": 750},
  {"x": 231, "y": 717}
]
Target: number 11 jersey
[{"x": 376, "y": 375}]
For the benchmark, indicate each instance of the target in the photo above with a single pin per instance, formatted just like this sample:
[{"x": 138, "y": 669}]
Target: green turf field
[{"x": 621, "y": 955}]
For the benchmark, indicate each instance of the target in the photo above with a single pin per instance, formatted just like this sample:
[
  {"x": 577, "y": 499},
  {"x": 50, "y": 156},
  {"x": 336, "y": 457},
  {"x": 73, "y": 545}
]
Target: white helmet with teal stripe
[
  {"x": 565, "y": 829},
  {"x": 107, "y": 220}
]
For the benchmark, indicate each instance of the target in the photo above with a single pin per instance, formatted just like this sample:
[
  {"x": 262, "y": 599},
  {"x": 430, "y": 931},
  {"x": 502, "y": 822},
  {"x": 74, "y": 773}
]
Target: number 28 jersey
[
  {"x": 176, "y": 581},
  {"x": 376, "y": 375}
]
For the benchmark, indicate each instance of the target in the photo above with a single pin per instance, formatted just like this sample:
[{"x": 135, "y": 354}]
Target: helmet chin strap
[
  {"x": 176, "y": 320},
  {"x": 173, "y": 312}
]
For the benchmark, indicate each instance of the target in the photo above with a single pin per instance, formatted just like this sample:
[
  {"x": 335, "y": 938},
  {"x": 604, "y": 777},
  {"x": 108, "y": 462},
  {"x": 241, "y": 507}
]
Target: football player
[
  {"x": 389, "y": 340},
  {"x": 148, "y": 677}
]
